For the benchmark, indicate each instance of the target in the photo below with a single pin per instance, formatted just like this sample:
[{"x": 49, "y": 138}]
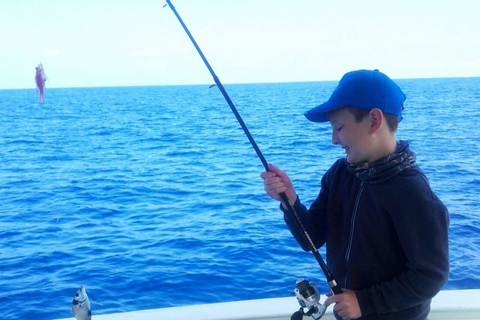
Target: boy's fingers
[{"x": 330, "y": 300}]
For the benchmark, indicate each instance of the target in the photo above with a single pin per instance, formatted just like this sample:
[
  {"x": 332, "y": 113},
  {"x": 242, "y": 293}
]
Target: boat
[{"x": 447, "y": 304}]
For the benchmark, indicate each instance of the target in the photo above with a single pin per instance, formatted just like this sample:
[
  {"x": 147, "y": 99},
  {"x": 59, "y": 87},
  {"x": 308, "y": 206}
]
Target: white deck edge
[{"x": 448, "y": 304}]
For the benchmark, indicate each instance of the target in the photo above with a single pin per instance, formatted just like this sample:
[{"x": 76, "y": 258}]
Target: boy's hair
[{"x": 359, "y": 114}]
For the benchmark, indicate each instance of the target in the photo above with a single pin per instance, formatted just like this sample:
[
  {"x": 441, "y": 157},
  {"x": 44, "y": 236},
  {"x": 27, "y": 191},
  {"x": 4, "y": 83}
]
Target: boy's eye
[{"x": 339, "y": 128}]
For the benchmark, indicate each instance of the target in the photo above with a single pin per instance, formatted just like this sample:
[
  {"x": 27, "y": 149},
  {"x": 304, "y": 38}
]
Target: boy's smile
[{"x": 352, "y": 136}]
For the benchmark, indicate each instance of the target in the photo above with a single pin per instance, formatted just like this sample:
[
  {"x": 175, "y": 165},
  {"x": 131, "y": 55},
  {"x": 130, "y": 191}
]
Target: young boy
[{"x": 386, "y": 232}]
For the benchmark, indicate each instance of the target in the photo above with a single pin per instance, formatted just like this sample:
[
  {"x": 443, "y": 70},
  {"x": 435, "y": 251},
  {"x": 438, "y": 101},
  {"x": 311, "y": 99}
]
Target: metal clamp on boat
[{"x": 309, "y": 299}]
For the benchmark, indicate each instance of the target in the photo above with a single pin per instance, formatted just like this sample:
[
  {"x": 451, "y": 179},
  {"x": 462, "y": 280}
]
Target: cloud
[
  {"x": 52, "y": 52},
  {"x": 145, "y": 54}
]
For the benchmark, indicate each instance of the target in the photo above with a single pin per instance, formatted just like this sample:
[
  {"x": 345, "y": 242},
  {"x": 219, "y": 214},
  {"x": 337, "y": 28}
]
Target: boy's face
[{"x": 352, "y": 136}]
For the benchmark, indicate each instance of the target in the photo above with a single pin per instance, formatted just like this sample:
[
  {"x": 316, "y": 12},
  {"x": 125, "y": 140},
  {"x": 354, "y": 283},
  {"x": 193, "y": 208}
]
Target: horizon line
[{"x": 231, "y": 83}]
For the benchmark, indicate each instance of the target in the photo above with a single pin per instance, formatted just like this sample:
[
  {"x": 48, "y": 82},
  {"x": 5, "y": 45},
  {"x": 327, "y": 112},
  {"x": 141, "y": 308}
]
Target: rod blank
[{"x": 330, "y": 279}]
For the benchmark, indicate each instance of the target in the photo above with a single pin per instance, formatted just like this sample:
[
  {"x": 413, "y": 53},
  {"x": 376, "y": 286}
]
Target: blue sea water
[{"x": 151, "y": 197}]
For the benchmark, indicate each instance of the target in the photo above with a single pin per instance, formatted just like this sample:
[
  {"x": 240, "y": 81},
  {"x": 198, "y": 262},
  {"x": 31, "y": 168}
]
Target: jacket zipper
[{"x": 352, "y": 229}]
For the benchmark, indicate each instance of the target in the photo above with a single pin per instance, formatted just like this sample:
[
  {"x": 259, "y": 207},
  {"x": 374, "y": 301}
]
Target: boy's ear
[{"x": 376, "y": 119}]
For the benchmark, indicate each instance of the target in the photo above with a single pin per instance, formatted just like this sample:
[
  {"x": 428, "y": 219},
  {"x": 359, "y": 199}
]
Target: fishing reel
[{"x": 309, "y": 300}]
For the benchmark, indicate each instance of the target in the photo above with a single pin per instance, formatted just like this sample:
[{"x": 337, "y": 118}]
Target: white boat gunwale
[{"x": 447, "y": 304}]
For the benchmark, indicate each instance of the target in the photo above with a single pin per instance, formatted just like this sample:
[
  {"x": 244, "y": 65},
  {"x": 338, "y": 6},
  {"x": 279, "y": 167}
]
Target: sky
[{"x": 91, "y": 43}]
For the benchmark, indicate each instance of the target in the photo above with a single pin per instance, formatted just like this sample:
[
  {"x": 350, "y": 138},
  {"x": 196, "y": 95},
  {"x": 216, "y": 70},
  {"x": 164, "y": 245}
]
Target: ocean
[{"x": 150, "y": 197}]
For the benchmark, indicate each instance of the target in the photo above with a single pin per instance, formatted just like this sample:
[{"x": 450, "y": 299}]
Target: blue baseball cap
[{"x": 364, "y": 89}]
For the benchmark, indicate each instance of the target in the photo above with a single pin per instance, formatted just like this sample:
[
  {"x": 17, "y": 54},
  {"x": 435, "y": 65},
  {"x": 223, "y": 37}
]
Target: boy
[{"x": 386, "y": 232}]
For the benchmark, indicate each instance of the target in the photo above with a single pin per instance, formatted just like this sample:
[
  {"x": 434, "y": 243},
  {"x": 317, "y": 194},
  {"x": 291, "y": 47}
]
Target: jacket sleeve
[{"x": 313, "y": 219}]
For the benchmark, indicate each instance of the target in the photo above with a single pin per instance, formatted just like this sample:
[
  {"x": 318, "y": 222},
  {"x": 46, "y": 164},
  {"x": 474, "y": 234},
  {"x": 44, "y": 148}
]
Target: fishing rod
[{"x": 330, "y": 279}]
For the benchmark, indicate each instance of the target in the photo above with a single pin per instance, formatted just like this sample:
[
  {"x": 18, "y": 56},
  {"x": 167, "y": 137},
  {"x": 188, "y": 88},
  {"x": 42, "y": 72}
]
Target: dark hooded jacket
[{"x": 386, "y": 234}]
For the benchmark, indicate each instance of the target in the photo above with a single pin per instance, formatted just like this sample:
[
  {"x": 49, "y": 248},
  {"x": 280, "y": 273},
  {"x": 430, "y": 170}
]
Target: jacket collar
[{"x": 387, "y": 167}]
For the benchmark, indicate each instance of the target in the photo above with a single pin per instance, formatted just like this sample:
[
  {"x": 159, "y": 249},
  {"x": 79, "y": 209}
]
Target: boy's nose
[{"x": 335, "y": 140}]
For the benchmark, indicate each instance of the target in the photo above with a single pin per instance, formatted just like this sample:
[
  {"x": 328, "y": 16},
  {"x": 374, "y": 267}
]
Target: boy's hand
[
  {"x": 276, "y": 181},
  {"x": 346, "y": 304}
]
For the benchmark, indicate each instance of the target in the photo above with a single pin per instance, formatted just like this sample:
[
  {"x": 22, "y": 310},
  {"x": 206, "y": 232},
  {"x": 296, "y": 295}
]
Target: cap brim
[{"x": 319, "y": 113}]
